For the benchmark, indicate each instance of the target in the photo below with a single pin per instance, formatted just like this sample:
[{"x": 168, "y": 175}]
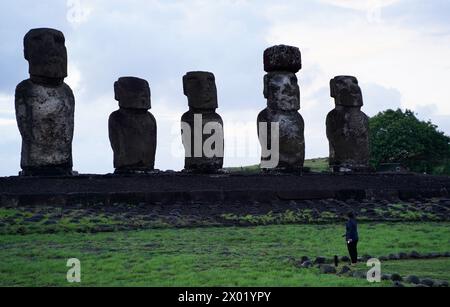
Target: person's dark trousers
[{"x": 353, "y": 251}]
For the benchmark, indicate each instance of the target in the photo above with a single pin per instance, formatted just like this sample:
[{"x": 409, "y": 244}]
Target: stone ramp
[{"x": 171, "y": 187}]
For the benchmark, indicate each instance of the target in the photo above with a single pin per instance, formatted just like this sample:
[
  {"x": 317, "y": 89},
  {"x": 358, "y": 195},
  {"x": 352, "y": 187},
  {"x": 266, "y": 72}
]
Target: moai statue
[
  {"x": 45, "y": 107},
  {"x": 202, "y": 127},
  {"x": 283, "y": 147},
  {"x": 132, "y": 129},
  {"x": 348, "y": 127}
]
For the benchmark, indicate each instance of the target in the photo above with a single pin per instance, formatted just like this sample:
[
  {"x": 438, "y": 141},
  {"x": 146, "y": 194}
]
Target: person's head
[{"x": 351, "y": 215}]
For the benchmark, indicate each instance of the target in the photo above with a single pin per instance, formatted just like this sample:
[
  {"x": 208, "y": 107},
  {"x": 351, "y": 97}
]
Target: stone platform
[{"x": 180, "y": 187}]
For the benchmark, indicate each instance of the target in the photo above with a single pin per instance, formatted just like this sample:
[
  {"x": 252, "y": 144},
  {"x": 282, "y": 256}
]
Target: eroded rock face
[
  {"x": 202, "y": 127},
  {"x": 282, "y": 92},
  {"x": 45, "y": 107},
  {"x": 291, "y": 137},
  {"x": 348, "y": 127},
  {"x": 200, "y": 89},
  {"x": 46, "y": 53},
  {"x": 283, "y": 58},
  {"x": 132, "y": 129}
]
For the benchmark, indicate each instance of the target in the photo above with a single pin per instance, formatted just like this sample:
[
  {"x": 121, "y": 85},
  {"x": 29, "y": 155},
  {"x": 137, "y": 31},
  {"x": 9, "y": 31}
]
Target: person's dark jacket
[{"x": 352, "y": 230}]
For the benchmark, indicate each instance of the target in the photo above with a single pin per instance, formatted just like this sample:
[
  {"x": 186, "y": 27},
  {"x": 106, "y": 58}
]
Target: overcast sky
[{"x": 398, "y": 49}]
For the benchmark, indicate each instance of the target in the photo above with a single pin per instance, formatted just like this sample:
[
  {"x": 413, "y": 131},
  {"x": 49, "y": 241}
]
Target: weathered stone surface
[
  {"x": 366, "y": 258},
  {"x": 386, "y": 277},
  {"x": 348, "y": 127},
  {"x": 345, "y": 269},
  {"x": 46, "y": 53},
  {"x": 45, "y": 106},
  {"x": 345, "y": 259},
  {"x": 320, "y": 260},
  {"x": 132, "y": 129},
  {"x": 403, "y": 256},
  {"x": 346, "y": 91},
  {"x": 282, "y": 92},
  {"x": 441, "y": 284},
  {"x": 133, "y": 93},
  {"x": 327, "y": 269},
  {"x": 394, "y": 257},
  {"x": 291, "y": 137},
  {"x": 412, "y": 279},
  {"x": 202, "y": 127},
  {"x": 398, "y": 284},
  {"x": 427, "y": 282},
  {"x": 396, "y": 277},
  {"x": 236, "y": 188},
  {"x": 201, "y": 91},
  {"x": 201, "y": 163},
  {"x": 415, "y": 255},
  {"x": 282, "y": 58},
  {"x": 304, "y": 258}
]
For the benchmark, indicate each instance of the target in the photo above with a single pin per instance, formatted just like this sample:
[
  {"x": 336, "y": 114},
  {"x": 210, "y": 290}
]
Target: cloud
[
  {"x": 6, "y": 105},
  {"x": 431, "y": 113},
  {"x": 361, "y": 5},
  {"x": 378, "y": 98},
  {"x": 388, "y": 54},
  {"x": 9, "y": 137},
  {"x": 400, "y": 61}
]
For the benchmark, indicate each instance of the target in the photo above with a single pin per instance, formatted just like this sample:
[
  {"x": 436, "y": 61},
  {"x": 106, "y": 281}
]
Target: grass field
[
  {"x": 256, "y": 256},
  {"x": 316, "y": 165}
]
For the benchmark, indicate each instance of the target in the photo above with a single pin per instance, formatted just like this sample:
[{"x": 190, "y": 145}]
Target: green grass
[
  {"x": 245, "y": 169},
  {"x": 316, "y": 165},
  {"x": 256, "y": 256},
  {"x": 437, "y": 269},
  {"x": 51, "y": 219}
]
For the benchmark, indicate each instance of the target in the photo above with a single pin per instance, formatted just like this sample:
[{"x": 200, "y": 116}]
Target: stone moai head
[
  {"x": 282, "y": 58},
  {"x": 280, "y": 83},
  {"x": 133, "y": 93},
  {"x": 282, "y": 91},
  {"x": 46, "y": 53},
  {"x": 346, "y": 91},
  {"x": 200, "y": 89}
]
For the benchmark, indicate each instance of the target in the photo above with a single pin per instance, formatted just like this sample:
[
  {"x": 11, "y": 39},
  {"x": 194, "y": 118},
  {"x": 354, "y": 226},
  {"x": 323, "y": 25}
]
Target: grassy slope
[
  {"x": 316, "y": 165},
  {"x": 438, "y": 269},
  {"x": 257, "y": 256}
]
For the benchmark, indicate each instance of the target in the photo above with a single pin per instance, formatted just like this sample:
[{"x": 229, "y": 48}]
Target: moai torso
[
  {"x": 201, "y": 91},
  {"x": 46, "y": 120},
  {"x": 132, "y": 129},
  {"x": 283, "y": 102},
  {"x": 348, "y": 127},
  {"x": 45, "y": 106}
]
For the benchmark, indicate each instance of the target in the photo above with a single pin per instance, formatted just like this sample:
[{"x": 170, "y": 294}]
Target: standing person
[{"x": 352, "y": 237}]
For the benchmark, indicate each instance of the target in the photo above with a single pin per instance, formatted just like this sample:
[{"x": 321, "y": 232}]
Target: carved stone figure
[
  {"x": 282, "y": 92},
  {"x": 132, "y": 129},
  {"x": 45, "y": 106},
  {"x": 348, "y": 127},
  {"x": 202, "y": 127},
  {"x": 282, "y": 58}
]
